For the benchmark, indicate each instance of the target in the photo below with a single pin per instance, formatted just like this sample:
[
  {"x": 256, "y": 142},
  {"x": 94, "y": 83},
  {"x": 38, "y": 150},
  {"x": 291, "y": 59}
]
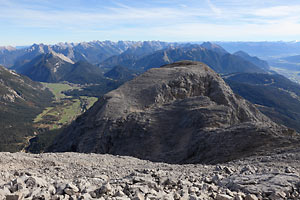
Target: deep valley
[{"x": 206, "y": 119}]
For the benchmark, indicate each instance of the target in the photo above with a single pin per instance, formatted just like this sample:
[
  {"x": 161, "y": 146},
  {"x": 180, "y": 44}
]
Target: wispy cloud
[
  {"x": 149, "y": 19},
  {"x": 121, "y": 14},
  {"x": 216, "y": 10},
  {"x": 279, "y": 11}
]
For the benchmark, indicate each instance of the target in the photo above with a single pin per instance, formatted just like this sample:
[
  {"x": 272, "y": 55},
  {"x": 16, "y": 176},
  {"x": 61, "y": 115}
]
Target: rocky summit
[{"x": 180, "y": 113}]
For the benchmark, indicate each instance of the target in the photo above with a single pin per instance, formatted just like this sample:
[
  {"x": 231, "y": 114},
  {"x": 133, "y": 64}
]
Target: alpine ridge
[
  {"x": 93, "y": 52},
  {"x": 53, "y": 67},
  {"x": 214, "y": 56},
  {"x": 180, "y": 113}
]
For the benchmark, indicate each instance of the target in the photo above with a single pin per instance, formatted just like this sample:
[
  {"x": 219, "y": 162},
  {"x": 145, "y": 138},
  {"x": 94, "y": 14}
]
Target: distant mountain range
[
  {"x": 213, "y": 55},
  {"x": 21, "y": 100},
  {"x": 97, "y": 51},
  {"x": 71, "y": 62},
  {"x": 92, "y": 52}
]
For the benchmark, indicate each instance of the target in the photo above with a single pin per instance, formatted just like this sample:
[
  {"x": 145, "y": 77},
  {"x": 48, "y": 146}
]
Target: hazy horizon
[{"x": 195, "y": 42}]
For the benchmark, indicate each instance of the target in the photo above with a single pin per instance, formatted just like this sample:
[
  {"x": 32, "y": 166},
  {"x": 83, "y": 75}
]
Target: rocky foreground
[{"x": 95, "y": 176}]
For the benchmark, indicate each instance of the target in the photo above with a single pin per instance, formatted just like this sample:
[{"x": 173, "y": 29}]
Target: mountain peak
[
  {"x": 253, "y": 59},
  {"x": 241, "y": 53},
  {"x": 7, "y": 48},
  {"x": 61, "y": 56},
  {"x": 214, "y": 47},
  {"x": 39, "y": 48},
  {"x": 180, "y": 113}
]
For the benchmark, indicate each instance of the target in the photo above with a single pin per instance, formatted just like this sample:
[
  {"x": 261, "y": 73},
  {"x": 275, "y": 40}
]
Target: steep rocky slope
[
  {"x": 27, "y": 54},
  {"x": 93, "y": 176},
  {"x": 21, "y": 100},
  {"x": 276, "y": 96},
  {"x": 179, "y": 113},
  {"x": 46, "y": 67},
  {"x": 53, "y": 67}
]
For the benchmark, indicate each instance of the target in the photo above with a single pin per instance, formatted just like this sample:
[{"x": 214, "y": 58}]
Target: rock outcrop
[{"x": 180, "y": 113}]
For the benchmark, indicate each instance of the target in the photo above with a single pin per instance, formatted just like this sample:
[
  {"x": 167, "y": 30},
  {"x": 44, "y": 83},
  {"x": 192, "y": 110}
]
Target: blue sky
[{"x": 25, "y": 22}]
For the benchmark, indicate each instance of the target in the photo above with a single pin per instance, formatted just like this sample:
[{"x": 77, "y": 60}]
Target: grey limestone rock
[
  {"x": 180, "y": 113},
  {"x": 224, "y": 197},
  {"x": 131, "y": 178},
  {"x": 251, "y": 197}
]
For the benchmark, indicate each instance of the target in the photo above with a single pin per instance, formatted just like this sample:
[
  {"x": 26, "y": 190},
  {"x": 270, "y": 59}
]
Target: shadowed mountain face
[
  {"x": 84, "y": 72},
  {"x": 120, "y": 73},
  {"x": 53, "y": 67},
  {"x": 179, "y": 113},
  {"x": 275, "y": 95},
  {"x": 217, "y": 58},
  {"x": 45, "y": 67},
  {"x": 27, "y": 54},
  {"x": 21, "y": 100},
  {"x": 254, "y": 60}
]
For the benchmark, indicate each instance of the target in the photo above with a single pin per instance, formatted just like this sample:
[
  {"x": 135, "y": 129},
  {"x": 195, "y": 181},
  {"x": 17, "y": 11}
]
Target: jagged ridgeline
[
  {"x": 21, "y": 99},
  {"x": 179, "y": 113},
  {"x": 93, "y": 52},
  {"x": 213, "y": 55}
]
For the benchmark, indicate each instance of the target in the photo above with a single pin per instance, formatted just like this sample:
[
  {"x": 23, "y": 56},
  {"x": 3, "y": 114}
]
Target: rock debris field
[{"x": 95, "y": 176}]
